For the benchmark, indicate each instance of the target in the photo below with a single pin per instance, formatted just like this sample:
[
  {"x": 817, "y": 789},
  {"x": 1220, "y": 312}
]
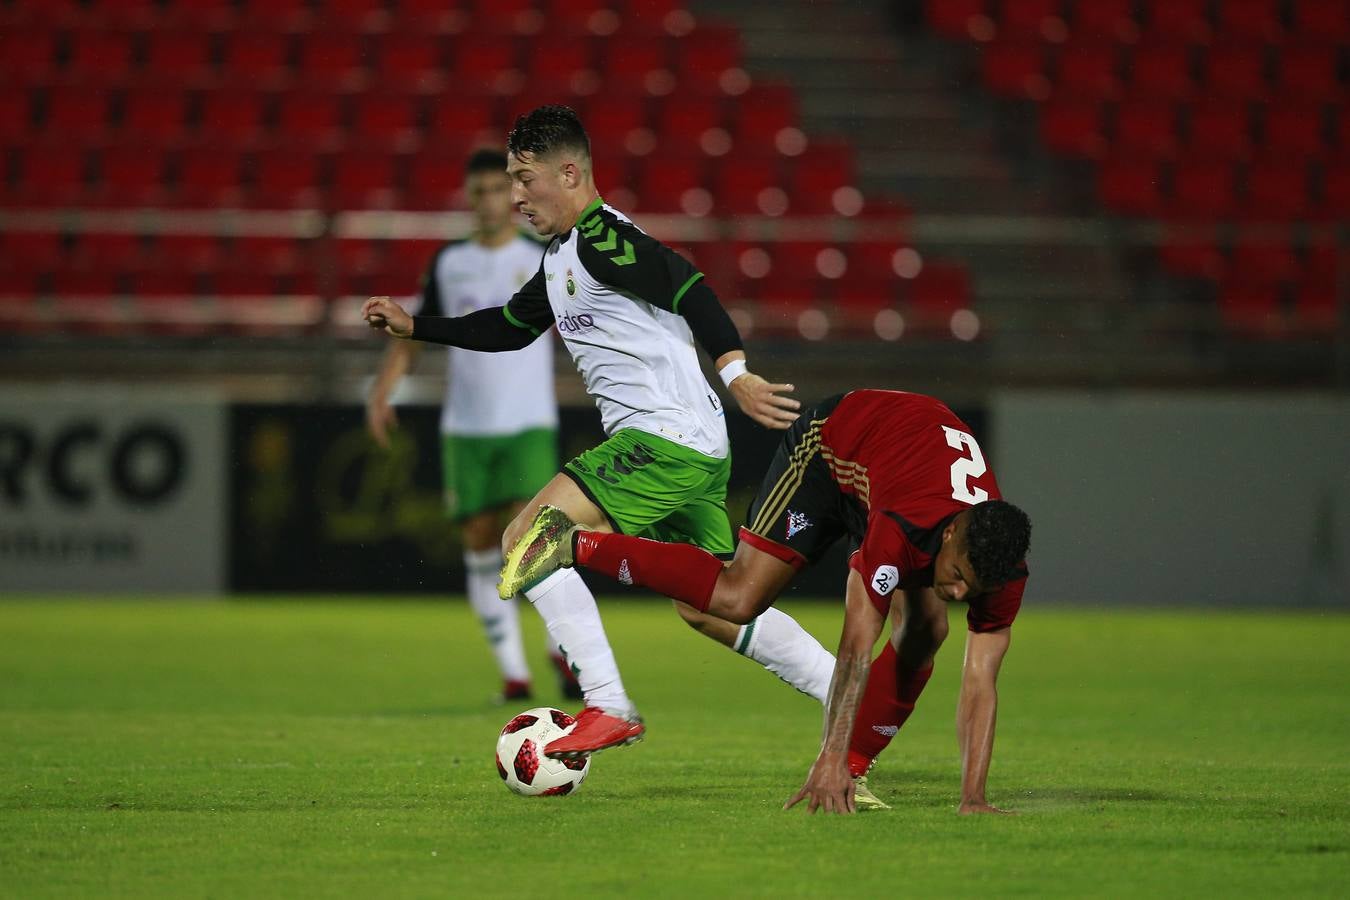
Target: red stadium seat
[
  {"x": 1015, "y": 69},
  {"x": 277, "y": 15},
  {"x": 761, "y": 113},
  {"x": 665, "y": 180},
  {"x": 1161, "y": 71},
  {"x": 114, "y": 250},
  {"x": 818, "y": 174},
  {"x": 270, "y": 254},
  {"x": 210, "y": 177},
  {"x": 1178, "y": 20},
  {"x": 1294, "y": 131},
  {"x": 1040, "y": 19},
  {"x": 684, "y": 119},
  {"x": 1146, "y": 128},
  {"x": 364, "y": 181},
  {"x": 409, "y": 62},
  {"x": 1308, "y": 72},
  {"x": 79, "y": 115},
  {"x": 1106, "y": 20},
  {"x": 470, "y": 118},
  {"x": 1277, "y": 191},
  {"x": 132, "y": 176},
  {"x": 191, "y": 253},
  {"x": 407, "y": 260},
  {"x": 181, "y": 58},
  {"x": 1237, "y": 71},
  {"x": 429, "y": 16},
  {"x": 208, "y": 14},
  {"x": 482, "y": 60},
  {"x": 353, "y": 15},
  {"x": 16, "y": 117},
  {"x": 1321, "y": 20},
  {"x": 961, "y": 20},
  {"x": 858, "y": 297},
  {"x": 1131, "y": 186},
  {"x": 938, "y": 290},
  {"x": 235, "y": 283},
  {"x": 99, "y": 57},
  {"x": 1251, "y": 310},
  {"x": 388, "y": 121},
  {"x": 27, "y": 56},
  {"x": 50, "y": 176},
  {"x": 567, "y": 64},
  {"x": 1315, "y": 307},
  {"x": 1256, "y": 20},
  {"x": 155, "y": 116},
  {"x": 287, "y": 179},
  {"x": 581, "y": 17},
  {"x": 706, "y": 55},
  {"x": 612, "y": 122},
  {"x": 745, "y": 185},
  {"x": 133, "y": 15},
  {"x": 255, "y": 58},
  {"x": 84, "y": 283},
  {"x": 433, "y": 181},
  {"x": 1192, "y": 252},
  {"x": 1073, "y": 128},
  {"x": 1263, "y": 261},
  {"x": 310, "y": 120},
  {"x": 1203, "y": 190},
  {"x": 1087, "y": 69},
  {"x": 232, "y": 118},
  {"x": 633, "y": 61},
  {"x": 33, "y": 251},
  {"x": 332, "y": 62},
  {"x": 1219, "y": 130},
  {"x": 879, "y": 260},
  {"x": 505, "y": 16}
]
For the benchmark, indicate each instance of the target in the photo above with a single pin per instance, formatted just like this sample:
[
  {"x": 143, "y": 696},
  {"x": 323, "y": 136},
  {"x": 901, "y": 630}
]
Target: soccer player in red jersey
[{"x": 904, "y": 480}]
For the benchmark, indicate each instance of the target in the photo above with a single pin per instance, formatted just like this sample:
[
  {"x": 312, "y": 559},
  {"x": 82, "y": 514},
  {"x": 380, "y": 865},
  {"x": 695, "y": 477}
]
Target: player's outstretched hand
[
  {"x": 381, "y": 312},
  {"x": 764, "y": 402},
  {"x": 829, "y": 786},
  {"x": 975, "y": 809}
]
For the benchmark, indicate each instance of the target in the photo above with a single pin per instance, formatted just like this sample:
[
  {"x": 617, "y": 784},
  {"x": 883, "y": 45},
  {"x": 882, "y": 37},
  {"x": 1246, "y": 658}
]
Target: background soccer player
[
  {"x": 499, "y": 423},
  {"x": 629, "y": 310},
  {"x": 903, "y": 478}
]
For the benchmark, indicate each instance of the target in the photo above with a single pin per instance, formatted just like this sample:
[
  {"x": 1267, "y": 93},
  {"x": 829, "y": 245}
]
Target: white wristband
[{"x": 732, "y": 370}]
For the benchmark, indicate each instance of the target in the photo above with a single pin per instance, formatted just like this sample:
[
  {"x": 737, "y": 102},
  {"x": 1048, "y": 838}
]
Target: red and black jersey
[{"x": 889, "y": 469}]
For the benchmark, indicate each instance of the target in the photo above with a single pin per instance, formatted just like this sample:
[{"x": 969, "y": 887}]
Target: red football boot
[{"x": 595, "y": 730}]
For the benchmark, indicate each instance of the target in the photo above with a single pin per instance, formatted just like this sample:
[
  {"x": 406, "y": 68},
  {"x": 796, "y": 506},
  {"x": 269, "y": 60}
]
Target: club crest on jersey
[
  {"x": 797, "y": 522},
  {"x": 884, "y": 579},
  {"x": 571, "y": 284}
]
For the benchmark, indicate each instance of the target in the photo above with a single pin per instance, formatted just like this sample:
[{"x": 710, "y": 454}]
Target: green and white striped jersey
[{"x": 614, "y": 293}]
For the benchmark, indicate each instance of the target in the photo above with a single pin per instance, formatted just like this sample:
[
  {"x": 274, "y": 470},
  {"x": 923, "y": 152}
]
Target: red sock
[
  {"x": 892, "y": 691},
  {"x": 680, "y": 571}
]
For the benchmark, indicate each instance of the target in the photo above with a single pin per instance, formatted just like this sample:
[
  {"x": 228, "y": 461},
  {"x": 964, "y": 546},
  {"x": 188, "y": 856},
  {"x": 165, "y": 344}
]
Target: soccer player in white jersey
[
  {"x": 499, "y": 423},
  {"x": 630, "y": 311}
]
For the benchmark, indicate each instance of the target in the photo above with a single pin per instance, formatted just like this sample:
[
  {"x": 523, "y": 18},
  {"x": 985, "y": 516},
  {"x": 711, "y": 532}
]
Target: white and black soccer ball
[{"x": 520, "y": 754}]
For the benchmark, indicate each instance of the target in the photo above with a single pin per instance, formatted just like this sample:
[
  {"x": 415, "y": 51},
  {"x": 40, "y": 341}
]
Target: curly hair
[
  {"x": 543, "y": 130},
  {"x": 998, "y": 535}
]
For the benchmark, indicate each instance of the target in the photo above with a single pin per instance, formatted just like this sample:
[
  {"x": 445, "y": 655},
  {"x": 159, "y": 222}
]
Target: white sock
[
  {"x": 500, "y": 618},
  {"x": 573, "y": 621},
  {"x": 779, "y": 644}
]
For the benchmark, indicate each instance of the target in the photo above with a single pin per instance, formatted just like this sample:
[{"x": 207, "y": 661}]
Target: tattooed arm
[{"x": 829, "y": 785}]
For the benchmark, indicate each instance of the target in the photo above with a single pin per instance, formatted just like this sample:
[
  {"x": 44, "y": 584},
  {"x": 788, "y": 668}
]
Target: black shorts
[{"x": 800, "y": 512}]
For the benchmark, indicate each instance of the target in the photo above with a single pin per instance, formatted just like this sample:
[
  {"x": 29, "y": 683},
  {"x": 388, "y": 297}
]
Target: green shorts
[
  {"x": 654, "y": 488},
  {"x": 485, "y": 473}
]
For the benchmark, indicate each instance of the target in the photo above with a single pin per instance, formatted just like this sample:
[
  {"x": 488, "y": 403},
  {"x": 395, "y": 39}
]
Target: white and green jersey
[
  {"x": 614, "y": 293},
  {"x": 489, "y": 394}
]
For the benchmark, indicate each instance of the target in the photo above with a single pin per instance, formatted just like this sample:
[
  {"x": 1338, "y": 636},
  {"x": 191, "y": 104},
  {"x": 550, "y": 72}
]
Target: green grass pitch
[{"x": 247, "y": 749}]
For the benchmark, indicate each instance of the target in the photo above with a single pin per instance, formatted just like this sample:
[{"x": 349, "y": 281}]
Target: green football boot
[{"x": 544, "y": 548}]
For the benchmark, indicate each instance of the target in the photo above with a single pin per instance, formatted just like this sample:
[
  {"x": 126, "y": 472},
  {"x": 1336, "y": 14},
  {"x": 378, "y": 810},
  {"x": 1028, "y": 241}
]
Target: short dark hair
[
  {"x": 485, "y": 159},
  {"x": 998, "y": 535},
  {"x": 547, "y": 129}
]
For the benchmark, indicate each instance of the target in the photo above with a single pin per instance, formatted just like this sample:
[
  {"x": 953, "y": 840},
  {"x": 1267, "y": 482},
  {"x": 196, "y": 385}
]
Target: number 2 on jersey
[{"x": 965, "y": 468}]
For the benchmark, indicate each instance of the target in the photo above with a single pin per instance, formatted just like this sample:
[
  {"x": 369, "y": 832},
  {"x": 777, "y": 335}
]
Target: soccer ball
[{"x": 520, "y": 754}]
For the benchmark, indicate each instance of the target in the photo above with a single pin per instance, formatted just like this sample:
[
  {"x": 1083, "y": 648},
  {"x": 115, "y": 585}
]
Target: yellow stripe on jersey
[
  {"x": 849, "y": 474},
  {"x": 791, "y": 478}
]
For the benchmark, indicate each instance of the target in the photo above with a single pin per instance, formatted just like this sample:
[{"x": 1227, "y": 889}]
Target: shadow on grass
[{"x": 1093, "y": 795}]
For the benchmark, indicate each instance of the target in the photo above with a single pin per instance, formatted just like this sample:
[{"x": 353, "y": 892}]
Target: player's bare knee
[{"x": 920, "y": 639}]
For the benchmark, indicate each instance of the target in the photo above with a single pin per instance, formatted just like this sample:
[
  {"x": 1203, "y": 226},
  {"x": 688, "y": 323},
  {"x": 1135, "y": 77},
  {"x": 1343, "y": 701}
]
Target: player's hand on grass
[
  {"x": 380, "y": 419},
  {"x": 829, "y": 786},
  {"x": 765, "y": 402},
  {"x": 982, "y": 808},
  {"x": 381, "y": 312}
]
